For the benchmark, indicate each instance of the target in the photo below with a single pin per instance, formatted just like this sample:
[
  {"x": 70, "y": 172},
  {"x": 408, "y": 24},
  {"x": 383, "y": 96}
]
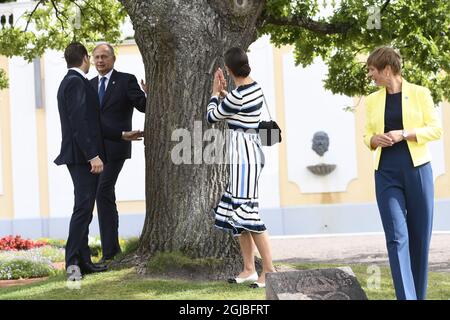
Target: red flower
[{"x": 11, "y": 243}]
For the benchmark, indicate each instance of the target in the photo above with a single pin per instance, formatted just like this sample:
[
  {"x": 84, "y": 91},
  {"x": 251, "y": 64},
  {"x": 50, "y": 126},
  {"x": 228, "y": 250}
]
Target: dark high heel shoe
[{"x": 256, "y": 285}]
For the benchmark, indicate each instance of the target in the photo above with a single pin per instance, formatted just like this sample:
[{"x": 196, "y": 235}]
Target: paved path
[{"x": 352, "y": 249}]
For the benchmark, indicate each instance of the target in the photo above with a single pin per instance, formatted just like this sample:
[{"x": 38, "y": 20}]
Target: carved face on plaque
[{"x": 320, "y": 142}]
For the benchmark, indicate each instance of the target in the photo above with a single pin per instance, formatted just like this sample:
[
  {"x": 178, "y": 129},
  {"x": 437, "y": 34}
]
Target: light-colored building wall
[{"x": 6, "y": 196}]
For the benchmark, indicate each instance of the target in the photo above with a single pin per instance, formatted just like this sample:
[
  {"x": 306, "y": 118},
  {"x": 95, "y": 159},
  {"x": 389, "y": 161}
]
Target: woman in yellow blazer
[{"x": 400, "y": 120}]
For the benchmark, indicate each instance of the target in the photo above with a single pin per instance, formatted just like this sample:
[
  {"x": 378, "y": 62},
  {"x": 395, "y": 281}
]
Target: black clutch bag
[{"x": 269, "y": 131}]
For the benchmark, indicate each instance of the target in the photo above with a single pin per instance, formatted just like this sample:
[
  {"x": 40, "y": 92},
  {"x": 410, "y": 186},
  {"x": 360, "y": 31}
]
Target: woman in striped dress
[{"x": 237, "y": 210}]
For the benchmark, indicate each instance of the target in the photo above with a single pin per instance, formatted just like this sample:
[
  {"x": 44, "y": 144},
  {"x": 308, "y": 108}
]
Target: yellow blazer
[{"x": 418, "y": 113}]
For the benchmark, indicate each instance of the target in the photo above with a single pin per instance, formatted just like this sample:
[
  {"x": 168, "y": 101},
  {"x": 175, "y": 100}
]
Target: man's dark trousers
[
  {"x": 85, "y": 184},
  {"x": 108, "y": 216}
]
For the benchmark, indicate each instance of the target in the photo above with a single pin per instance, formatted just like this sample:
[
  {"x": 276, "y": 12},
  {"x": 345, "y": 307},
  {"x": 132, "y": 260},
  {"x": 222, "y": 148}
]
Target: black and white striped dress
[{"x": 237, "y": 210}]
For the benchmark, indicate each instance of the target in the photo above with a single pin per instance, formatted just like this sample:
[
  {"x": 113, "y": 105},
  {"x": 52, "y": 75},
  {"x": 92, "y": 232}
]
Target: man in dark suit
[
  {"x": 119, "y": 93},
  {"x": 82, "y": 150}
]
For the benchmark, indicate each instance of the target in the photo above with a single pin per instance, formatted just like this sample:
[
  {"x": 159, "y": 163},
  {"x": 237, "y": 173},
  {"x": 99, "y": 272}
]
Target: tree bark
[{"x": 182, "y": 42}]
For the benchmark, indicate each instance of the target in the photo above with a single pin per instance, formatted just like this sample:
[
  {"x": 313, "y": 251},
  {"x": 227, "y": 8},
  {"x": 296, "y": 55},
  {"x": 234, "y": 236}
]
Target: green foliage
[
  {"x": 45, "y": 254},
  {"x": 128, "y": 245},
  {"x": 57, "y": 243},
  {"x": 21, "y": 269},
  {"x": 95, "y": 245},
  {"x": 57, "y": 23},
  {"x": 3, "y": 80},
  {"x": 420, "y": 29},
  {"x": 51, "y": 253}
]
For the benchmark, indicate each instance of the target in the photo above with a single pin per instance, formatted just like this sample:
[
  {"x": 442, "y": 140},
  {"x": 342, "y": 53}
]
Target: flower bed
[
  {"x": 21, "y": 269},
  {"x": 27, "y": 259},
  {"x": 16, "y": 243},
  {"x": 18, "y": 262},
  {"x": 57, "y": 243}
]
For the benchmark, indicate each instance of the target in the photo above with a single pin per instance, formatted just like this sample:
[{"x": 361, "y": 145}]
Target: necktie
[{"x": 101, "y": 91}]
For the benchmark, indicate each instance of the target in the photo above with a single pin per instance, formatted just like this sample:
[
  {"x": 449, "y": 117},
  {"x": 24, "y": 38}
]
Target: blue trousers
[{"x": 405, "y": 198}]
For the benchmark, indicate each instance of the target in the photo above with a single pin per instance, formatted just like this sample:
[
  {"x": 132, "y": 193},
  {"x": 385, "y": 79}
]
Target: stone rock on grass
[{"x": 319, "y": 284}]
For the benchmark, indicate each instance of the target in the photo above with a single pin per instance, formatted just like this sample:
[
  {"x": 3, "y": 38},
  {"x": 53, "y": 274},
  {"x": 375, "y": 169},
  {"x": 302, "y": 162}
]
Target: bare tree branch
[
  {"x": 58, "y": 13},
  {"x": 32, "y": 13}
]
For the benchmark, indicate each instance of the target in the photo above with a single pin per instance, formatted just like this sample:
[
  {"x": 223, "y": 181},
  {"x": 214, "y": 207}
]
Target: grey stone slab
[{"x": 319, "y": 284}]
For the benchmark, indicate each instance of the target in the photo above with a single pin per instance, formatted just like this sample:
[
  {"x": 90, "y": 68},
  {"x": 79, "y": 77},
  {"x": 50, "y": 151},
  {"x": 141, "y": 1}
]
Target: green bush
[
  {"x": 96, "y": 251},
  {"x": 129, "y": 245},
  {"x": 95, "y": 245},
  {"x": 57, "y": 243},
  {"x": 21, "y": 269},
  {"x": 54, "y": 254}
]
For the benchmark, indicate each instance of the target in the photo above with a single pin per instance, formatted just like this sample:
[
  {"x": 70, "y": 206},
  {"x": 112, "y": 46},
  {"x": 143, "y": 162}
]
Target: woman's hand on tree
[
  {"x": 223, "y": 81},
  {"x": 217, "y": 86}
]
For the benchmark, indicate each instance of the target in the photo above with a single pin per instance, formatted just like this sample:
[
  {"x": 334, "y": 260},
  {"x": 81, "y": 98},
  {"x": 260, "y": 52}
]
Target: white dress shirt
[
  {"x": 108, "y": 76},
  {"x": 79, "y": 71}
]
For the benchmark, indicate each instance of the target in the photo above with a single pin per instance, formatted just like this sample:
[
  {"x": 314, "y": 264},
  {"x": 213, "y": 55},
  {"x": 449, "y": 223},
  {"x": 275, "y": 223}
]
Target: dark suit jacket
[
  {"x": 122, "y": 95},
  {"x": 82, "y": 133}
]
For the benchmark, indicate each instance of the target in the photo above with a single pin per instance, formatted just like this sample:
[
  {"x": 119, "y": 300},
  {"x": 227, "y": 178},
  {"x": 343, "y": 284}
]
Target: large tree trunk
[{"x": 182, "y": 43}]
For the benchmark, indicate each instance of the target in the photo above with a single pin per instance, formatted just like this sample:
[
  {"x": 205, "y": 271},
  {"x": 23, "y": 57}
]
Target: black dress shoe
[
  {"x": 109, "y": 258},
  {"x": 105, "y": 261},
  {"x": 100, "y": 264},
  {"x": 87, "y": 268}
]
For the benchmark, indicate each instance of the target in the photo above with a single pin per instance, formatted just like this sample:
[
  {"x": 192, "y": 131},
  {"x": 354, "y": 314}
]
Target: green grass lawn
[{"x": 126, "y": 284}]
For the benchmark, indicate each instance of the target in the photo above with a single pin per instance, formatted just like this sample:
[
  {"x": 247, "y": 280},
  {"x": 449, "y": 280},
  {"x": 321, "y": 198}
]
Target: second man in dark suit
[
  {"x": 82, "y": 150},
  {"x": 119, "y": 94}
]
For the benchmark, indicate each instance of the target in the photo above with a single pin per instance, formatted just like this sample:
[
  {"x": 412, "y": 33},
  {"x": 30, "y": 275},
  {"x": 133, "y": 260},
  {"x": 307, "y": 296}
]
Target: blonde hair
[{"x": 385, "y": 56}]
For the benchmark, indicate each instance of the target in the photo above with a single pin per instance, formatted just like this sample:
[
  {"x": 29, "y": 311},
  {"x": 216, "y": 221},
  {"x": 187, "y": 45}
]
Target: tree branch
[
  {"x": 79, "y": 7},
  {"x": 32, "y": 13},
  {"x": 87, "y": 4},
  {"x": 58, "y": 13},
  {"x": 309, "y": 24},
  {"x": 385, "y": 5}
]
